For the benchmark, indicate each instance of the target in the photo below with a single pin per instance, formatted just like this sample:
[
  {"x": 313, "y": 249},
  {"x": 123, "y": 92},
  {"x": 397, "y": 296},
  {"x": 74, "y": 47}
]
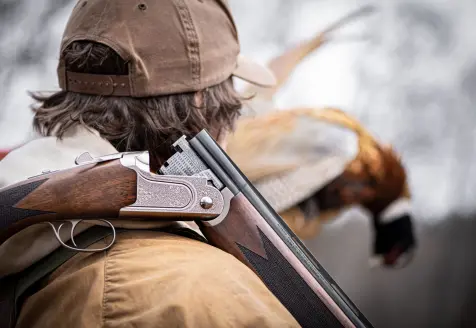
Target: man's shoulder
[
  {"x": 184, "y": 255},
  {"x": 199, "y": 276}
]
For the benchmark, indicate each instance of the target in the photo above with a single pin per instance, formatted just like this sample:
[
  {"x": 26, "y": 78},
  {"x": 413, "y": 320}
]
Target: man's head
[{"x": 142, "y": 73}]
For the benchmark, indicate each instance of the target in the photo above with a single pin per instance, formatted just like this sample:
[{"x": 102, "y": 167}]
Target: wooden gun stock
[
  {"x": 86, "y": 191},
  {"x": 106, "y": 188}
]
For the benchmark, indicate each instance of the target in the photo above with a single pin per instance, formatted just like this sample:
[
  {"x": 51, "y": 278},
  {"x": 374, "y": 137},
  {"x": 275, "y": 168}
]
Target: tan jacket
[{"x": 32, "y": 244}]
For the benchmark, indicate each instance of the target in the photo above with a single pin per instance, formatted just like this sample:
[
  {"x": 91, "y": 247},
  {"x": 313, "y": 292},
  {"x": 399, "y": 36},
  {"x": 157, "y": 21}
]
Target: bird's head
[{"x": 394, "y": 239}]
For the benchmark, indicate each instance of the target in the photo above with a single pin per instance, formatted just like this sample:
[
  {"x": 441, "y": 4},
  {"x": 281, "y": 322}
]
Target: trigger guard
[{"x": 74, "y": 223}]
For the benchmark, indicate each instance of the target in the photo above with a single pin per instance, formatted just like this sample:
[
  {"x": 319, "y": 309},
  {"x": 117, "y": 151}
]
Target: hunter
[{"x": 137, "y": 75}]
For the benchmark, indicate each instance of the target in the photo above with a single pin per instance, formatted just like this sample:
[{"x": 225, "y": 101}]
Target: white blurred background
[{"x": 408, "y": 73}]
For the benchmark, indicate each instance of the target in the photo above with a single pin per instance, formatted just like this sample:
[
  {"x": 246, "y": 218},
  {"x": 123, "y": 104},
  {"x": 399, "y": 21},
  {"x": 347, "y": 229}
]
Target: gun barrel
[{"x": 255, "y": 234}]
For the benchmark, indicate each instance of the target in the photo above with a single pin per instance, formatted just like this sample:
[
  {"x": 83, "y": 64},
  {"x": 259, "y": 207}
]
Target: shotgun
[{"x": 200, "y": 183}]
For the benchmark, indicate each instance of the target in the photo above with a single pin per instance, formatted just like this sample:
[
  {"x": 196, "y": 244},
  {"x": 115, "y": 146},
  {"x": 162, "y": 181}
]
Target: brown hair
[{"x": 133, "y": 124}]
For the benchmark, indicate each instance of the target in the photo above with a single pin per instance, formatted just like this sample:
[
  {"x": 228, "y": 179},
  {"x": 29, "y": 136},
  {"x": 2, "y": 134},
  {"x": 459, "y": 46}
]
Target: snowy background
[{"x": 408, "y": 72}]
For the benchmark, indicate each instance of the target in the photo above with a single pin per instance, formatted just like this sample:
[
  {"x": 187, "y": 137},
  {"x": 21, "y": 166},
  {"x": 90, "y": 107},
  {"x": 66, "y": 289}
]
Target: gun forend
[
  {"x": 114, "y": 186},
  {"x": 256, "y": 235}
]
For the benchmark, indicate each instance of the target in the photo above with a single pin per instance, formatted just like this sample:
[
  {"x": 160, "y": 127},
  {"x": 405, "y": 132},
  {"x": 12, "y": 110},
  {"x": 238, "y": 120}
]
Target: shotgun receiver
[{"x": 200, "y": 183}]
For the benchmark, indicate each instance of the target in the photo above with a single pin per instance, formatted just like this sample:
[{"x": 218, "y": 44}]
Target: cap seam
[
  {"x": 100, "y": 18},
  {"x": 192, "y": 42}
]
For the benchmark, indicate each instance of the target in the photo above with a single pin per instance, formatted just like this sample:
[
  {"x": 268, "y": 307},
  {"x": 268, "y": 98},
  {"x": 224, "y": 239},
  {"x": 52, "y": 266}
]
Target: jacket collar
[{"x": 49, "y": 153}]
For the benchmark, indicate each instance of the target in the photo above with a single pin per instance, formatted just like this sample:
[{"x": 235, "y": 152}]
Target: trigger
[{"x": 74, "y": 223}]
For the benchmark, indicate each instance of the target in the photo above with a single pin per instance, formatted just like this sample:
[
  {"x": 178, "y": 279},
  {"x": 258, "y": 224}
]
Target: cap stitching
[
  {"x": 100, "y": 18},
  {"x": 193, "y": 50}
]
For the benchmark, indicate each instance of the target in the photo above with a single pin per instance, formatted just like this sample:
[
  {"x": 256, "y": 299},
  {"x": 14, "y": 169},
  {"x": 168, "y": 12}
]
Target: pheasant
[{"x": 312, "y": 164}]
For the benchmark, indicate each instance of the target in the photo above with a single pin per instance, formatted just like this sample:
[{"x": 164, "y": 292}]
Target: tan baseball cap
[{"x": 171, "y": 46}]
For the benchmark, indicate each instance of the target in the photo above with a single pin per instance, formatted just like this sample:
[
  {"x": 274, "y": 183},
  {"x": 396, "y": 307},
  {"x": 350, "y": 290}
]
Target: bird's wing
[
  {"x": 284, "y": 141},
  {"x": 289, "y": 155}
]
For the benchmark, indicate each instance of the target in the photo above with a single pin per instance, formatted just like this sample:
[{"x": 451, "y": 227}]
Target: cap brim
[{"x": 252, "y": 72}]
